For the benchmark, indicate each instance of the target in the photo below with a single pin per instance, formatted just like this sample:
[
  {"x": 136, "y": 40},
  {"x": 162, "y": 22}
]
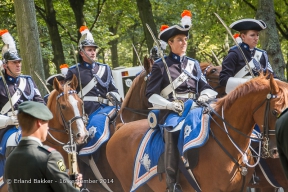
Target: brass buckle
[{"x": 100, "y": 99}]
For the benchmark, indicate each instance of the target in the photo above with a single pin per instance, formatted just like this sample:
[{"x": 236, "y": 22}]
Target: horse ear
[
  {"x": 57, "y": 85},
  {"x": 148, "y": 64},
  {"x": 273, "y": 84},
  {"x": 74, "y": 82}
]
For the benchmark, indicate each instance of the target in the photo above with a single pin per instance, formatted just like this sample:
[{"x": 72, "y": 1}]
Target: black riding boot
[{"x": 171, "y": 159}]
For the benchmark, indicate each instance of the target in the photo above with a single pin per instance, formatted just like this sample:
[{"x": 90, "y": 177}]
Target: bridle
[
  {"x": 266, "y": 130},
  {"x": 66, "y": 123}
]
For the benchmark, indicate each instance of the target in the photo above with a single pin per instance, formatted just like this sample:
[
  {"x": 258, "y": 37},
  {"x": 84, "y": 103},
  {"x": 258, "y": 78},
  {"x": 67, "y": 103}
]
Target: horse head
[
  {"x": 212, "y": 74},
  {"x": 135, "y": 105},
  {"x": 269, "y": 98},
  {"x": 67, "y": 109}
]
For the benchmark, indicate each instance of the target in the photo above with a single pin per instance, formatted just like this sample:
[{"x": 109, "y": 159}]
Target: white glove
[
  {"x": 203, "y": 98},
  {"x": 12, "y": 120},
  {"x": 174, "y": 106}
]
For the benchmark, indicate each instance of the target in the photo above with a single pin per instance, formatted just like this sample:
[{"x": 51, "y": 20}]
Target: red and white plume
[
  {"x": 237, "y": 38},
  {"x": 8, "y": 40},
  {"x": 84, "y": 30},
  {"x": 186, "y": 20}
]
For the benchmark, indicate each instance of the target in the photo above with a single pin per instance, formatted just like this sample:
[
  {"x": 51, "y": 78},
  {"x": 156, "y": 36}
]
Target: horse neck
[{"x": 240, "y": 116}]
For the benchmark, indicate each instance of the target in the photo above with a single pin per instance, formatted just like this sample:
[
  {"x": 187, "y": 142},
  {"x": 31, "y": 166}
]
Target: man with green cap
[{"x": 32, "y": 166}]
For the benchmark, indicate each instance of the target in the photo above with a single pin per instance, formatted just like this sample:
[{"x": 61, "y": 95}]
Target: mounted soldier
[
  {"x": 14, "y": 90},
  {"x": 235, "y": 70},
  {"x": 97, "y": 89},
  {"x": 175, "y": 79}
]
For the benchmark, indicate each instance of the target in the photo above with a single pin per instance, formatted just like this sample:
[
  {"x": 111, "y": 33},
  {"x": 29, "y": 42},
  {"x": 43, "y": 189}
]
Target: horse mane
[
  {"x": 255, "y": 85},
  {"x": 130, "y": 91}
]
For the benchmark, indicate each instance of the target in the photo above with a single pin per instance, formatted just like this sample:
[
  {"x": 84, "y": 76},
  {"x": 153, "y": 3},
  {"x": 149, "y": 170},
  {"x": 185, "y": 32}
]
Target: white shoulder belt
[
  {"x": 245, "y": 69},
  {"x": 178, "y": 81},
  {"x": 93, "y": 82},
  {"x": 16, "y": 96}
]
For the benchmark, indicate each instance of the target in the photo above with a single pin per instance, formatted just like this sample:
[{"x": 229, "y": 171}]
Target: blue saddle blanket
[
  {"x": 194, "y": 133},
  {"x": 3, "y": 149},
  {"x": 98, "y": 128}
]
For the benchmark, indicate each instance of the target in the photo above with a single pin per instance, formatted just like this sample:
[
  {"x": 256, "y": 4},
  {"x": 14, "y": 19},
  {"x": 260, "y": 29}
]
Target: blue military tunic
[
  {"x": 29, "y": 93},
  {"x": 159, "y": 78},
  {"x": 87, "y": 72},
  {"x": 234, "y": 62}
]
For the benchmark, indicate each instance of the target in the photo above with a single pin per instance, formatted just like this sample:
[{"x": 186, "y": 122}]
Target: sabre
[
  {"x": 42, "y": 82},
  {"x": 229, "y": 32},
  {"x": 217, "y": 60},
  {"x": 165, "y": 64},
  {"x": 8, "y": 93},
  {"x": 137, "y": 56},
  {"x": 85, "y": 118}
]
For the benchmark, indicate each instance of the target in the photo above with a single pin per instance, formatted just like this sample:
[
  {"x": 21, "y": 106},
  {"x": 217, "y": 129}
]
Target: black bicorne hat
[
  {"x": 248, "y": 24},
  {"x": 168, "y": 32},
  {"x": 49, "y": 80}
]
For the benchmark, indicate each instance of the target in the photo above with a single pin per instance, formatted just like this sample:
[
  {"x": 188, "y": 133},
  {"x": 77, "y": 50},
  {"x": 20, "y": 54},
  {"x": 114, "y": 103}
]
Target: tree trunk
[
  {"x": 269, "y": 38},
  {"x": 146, "y": 16},
  {"x": 77, "y": 7},
  {"x": 28, "y": 34},
  {"x": 54, "y": 34},
  {"x": 113, "y": 44}
]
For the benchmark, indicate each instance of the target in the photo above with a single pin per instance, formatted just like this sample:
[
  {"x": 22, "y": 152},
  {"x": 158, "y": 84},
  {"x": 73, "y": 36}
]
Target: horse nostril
[{"x": 78, "y": 135}]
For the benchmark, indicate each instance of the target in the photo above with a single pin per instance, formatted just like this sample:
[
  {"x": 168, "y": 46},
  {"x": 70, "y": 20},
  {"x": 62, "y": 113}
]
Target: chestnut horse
[
  {"x": 240, "y": 111},
  {"x": 212, "y": 73},
  {"x": 66, "y": 106},
  {"x": 135, "y": 105}
]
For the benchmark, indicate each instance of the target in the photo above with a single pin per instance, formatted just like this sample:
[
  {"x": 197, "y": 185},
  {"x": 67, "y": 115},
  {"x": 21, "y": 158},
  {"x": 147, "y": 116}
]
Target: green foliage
[{"x": 119, "y": 20}]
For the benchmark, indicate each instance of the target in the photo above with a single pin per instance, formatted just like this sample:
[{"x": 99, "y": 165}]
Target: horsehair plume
[
  {"x": 237, "y": 38},
  {"x": 186, "y": 20},
  {"x": 163, "y": 27},
  {"x": 163, "y": 45},
  {"x": 84, "y": 30},
  {"x": 8, "y": 40},
  {"x": 64, "y": 69}
]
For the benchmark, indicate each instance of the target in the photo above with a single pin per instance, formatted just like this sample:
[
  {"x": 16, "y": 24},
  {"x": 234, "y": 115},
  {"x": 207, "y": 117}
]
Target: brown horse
[
  {"x": 135, "y": 105},
  {"x": 214, "y": 164},
  {"x": 212, "y": 73},
  {"x": 66, "y": 106}
]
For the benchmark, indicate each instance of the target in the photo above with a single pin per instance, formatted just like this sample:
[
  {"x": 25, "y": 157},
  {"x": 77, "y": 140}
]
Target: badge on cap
[{"x": 61, "y": 165}]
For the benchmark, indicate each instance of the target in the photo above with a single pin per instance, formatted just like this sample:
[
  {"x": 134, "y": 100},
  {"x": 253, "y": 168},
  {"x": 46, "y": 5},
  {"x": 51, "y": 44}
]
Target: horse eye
[
  {"x": 213, "y": 70},
  {"x": 275, "y": 112},
  {"x": 63, "y": 107}
]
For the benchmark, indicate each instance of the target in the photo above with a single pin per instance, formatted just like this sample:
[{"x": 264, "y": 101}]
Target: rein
[
  {"x": 67, "y": 124},
  {"x": 265, "y": 137}
]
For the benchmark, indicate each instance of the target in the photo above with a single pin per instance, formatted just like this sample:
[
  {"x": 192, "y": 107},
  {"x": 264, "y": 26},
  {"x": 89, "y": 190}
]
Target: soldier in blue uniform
[
  {"x": 21, "y": 88},
  {"x": 96, "y": 78},
  {"x": 33, "y": 166},
  {"x": 234, "y": 69},
  {"x": 189, "y": 83}
]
